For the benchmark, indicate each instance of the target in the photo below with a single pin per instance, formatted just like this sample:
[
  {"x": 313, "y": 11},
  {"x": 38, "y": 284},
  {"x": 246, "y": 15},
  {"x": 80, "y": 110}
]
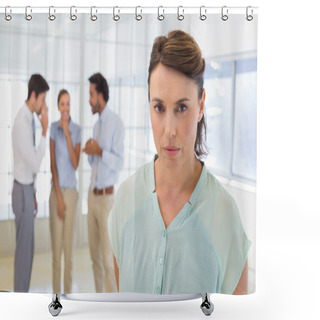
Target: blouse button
[{"x": 161, "y": 261}]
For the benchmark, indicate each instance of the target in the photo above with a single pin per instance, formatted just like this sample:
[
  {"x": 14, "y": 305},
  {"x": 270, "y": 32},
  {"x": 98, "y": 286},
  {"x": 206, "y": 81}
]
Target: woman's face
[
  {"x": 175, "y": 111},
  {"x": 64, "y": 106}
]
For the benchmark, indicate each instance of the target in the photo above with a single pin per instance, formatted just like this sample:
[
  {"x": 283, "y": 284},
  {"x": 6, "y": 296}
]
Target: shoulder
[
  {"x": 54, "y": 126},
  {"x": 219, "y": 215},
  {"x": 131, "y": 195},
  {"x": 223, "y": 207},
  {"x": 115, "y": 118},
  {"x": 75, "y": 127},
  {"x": 55, "y": 123},
  {"x": 134, "y": 191},
  {"x": 136, "y": 184},
  {"x": 21, "y": 116},
  {"x": 22, "y": 123}
]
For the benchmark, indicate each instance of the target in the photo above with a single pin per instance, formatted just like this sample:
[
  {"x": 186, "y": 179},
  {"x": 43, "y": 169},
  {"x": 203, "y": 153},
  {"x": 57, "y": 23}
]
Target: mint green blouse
[{"x": 204, "y": 249}]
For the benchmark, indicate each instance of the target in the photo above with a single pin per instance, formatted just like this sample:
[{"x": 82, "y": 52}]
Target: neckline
[
  {"x": 103, "y": 114},
  {"x": 187, "y": 206}
]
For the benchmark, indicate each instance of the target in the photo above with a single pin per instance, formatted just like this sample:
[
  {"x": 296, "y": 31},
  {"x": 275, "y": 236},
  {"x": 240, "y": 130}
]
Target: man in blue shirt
[{"x": 106, "y": 157}]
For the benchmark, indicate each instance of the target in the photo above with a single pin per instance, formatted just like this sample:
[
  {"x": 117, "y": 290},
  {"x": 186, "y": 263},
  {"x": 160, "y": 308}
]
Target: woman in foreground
[{"x": 174, "y": 229}]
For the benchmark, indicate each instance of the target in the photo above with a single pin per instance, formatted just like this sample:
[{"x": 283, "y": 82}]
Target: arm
[
  {"x": 61, "y": 205},
  {"x": 87, "y": 148},
  {"x": 24, "y": 143},
  {"x": 115, "y": 158},
  {"x": 32, "y": 158},
  {"x": 90, "y": 150},
  {"x": 74, "y": 153},
  {"x": 116, "y": 271},
  {"x": 242, "y": 286}
]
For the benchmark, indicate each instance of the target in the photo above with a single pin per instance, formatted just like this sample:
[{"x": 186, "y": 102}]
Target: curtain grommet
[
  {"x": 73, "y": 16},
  {"x": 160, "y": 16},
  {"x": 180, "y": 13},
  {"x": 52, "y": 17},
  {"x": 93, "y": 17},
  {"x": 7, "y": 16},
  {"x": 138, "y": 16},
  {"x": 28, "y": 16},
  {"x": 249, "y": 17},
  {"x": 203, "y": 13},
  {"x": 115, "y": 17},
  {"x": 224, "y": 13}
]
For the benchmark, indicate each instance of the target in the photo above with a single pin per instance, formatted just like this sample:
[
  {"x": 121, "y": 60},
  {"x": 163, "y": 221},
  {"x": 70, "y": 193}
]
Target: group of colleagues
[
  {"x": 172, "y": 227},
  {"x": 105, "y": 153}
]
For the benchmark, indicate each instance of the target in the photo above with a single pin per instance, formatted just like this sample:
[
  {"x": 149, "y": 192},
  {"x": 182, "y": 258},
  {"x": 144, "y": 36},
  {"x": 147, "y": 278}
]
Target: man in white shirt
[
  {"x": 106, "y": 156},
  {"x": 26, "y": 162}
]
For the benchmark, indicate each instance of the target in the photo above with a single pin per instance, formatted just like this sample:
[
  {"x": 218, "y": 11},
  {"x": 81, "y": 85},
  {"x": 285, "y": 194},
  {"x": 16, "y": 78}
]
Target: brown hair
[
  {"x": 181, "y": 52},
  {"x": 61, "y": 93},
  {"x": 101, "y": 85},
  {"x": 37, "y": 84}
]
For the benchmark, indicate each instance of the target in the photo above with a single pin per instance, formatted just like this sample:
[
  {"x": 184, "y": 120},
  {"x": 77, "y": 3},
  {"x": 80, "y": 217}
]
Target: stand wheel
[
  {"x": 207, "y": 306},
  {"x": 55, "y": 306}
]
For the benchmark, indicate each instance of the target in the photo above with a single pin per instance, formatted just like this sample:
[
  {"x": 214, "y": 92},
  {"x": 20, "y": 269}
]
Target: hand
[
  {"x": 64, "y": 124},
  {"x": 92, "y": 147},
  {"x": 35, "y": 206},
  {"x": 61, "y": 209},
  {"x": 43, "y": 117}
]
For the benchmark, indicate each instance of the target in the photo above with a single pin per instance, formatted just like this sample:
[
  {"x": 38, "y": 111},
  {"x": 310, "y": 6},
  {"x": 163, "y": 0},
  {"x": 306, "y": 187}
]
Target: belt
[
  {"x": 23, "y": 184},
  {"x": 108, "y": 190}
]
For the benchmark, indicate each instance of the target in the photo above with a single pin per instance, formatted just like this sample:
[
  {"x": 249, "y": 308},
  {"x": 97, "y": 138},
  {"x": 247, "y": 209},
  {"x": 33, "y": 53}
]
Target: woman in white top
[{"x": 174, "y": 229}]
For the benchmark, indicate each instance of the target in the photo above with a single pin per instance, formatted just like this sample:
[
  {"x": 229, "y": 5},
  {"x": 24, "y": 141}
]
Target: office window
[
  {"x": 40, "y": 47},
  {"x": 244, "y": 162},
  {"x": 231, "y": 118}
]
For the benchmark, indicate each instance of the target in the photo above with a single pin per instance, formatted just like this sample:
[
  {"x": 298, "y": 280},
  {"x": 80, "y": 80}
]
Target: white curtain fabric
[{"x": 68, "y": 52}]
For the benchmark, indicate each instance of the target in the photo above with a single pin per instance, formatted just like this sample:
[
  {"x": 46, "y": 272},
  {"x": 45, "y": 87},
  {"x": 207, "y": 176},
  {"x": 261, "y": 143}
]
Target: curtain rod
[
  {"x": 126, "y": 10},
  {"x": 138, "y": 11}
]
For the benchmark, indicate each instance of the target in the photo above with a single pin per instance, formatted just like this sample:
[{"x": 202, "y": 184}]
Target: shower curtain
[{"x": 203, "y": 252}]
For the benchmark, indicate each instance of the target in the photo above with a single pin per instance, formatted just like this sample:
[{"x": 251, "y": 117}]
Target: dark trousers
[{"x": 23, "y": 209}]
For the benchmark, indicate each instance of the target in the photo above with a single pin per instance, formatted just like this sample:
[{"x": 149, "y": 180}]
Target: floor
[{"x": 41, "y": 277}]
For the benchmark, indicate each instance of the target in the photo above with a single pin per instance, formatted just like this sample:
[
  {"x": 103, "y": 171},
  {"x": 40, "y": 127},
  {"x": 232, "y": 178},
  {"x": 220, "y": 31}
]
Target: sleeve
[
  {"x": 25, "y": 146},
  {"x": 53, "y": 132},
  {"x": 236, "y": 250},
  {"x": 78, "y": 137},
  {"x": 115, "y": 158}
]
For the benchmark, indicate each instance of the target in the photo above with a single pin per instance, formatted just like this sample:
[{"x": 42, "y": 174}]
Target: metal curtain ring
[
  {"x": 28, "y": 16},
  {"x": 7, "y": 16},
  {"x": 116, "y": 17},
  {"x": 249, "y": 17},
  {"x": 180, "y": 15},
  {"x": 160, "y": 16},
  {"x": 93, "y": 17},
  {"x": 138, "y": 16},
  {"x": 51, "y": 16},
  {"x": 73, "y": 16},
  {"x": 224, "y": 13},
  {"x": 203, "y": 12}
]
